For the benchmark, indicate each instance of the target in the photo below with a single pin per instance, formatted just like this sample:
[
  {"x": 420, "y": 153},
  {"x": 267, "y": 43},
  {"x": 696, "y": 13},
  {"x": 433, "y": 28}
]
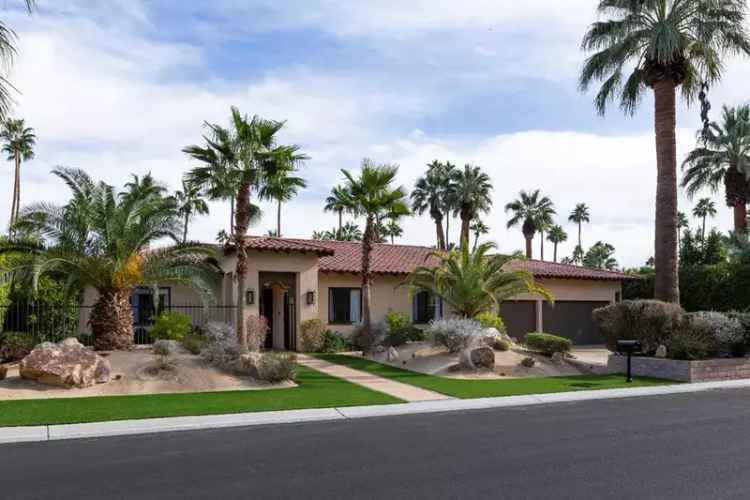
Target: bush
[
  {"x": 727, "y": 331},
  {"x": 14, "y": 346},
  {"x": 333, "y": 342},
  {"x": 194, "y": 343},
  {"x": 162, "y": 348},
  {"x": 368, "y": 342},
  {"x": 501, "y": 345},
  {"x": 491, "y": 320},
  {"x": 547, "y": 344},
  {"x": 528, "y": 362},
  {"x": 401, "y": 330},
  {"x": 256, "y": 330},
  {"x": 694, "y": 340},
  {"x": 455, "y": 334},
  {"x": 311, "y": 335},
  {"x": 277, "y": 367},
  {"x": 649, "y": 321},
  {"x": 171, "y": 325},
  {"x": 221, "y": 349}
]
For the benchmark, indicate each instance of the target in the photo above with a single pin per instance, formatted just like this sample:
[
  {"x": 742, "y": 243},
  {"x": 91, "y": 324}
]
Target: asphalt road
[{"x": 681, "y": 446}]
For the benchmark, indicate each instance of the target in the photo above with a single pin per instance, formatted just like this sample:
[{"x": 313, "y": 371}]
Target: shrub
[
  {"x": 455, "y": 334},
  {"x": 194, "y": 343},
  {"x": 311, "y": 335},
  {"x": 401, "y": 330},
  {"x": 396, "y": 320},
  {"x": 491, "y": 320},
  {"x": 256, "y": 330},
  {"x": 171, "y": 325},
  {"x": 547, "y": 344},
  {"x": 14, "y": 346},
  {"x": 744, "y": 319},
  {"x": 368, "y": 342},
  {"x": 694, "y": 340},
  {"x": 162, "y": 348},
  {"x": 221, "y": 349},
  {"x": 727, "y": 331},
  {"x": 528, "y": 362},
  {"x": 277, "y": 367},
  {"x": 501, "y": 345},
  {"x": 333, "y": 342},
  {"x": 649, "y": 321}
]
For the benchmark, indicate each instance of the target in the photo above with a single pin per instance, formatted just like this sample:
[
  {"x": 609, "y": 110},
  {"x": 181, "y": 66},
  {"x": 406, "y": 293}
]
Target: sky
[{"x": 120, "y": 87}]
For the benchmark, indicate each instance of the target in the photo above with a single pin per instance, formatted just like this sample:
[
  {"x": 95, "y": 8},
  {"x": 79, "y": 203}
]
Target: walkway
[{"x": 408, "y": 393}]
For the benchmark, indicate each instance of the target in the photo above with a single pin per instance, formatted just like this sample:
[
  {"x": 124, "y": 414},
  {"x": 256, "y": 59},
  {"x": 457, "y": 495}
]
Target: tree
[
  {"x": 391, "y": 229},
  {"x": 18, "y": 144},
  {"x": 578, "y": 255},
  {"x": 703, "y": 209},
  {"x": 556, "y": 235},
  {"x": 723, "y": 157},
  {"x": 579, "y": 215},
  {"x": 447, "y": 172},
  {"x": 189, "y": 201},
  {"x": 336, "y": 202},
  {"x": 372, "y": 194},
  {"x": 350, "y": 232},
  {"x": 667, "y": 44},
  {"x": 601, "y": 255},
  {"x": 526, "y": 210},
  {"x": 246, "y": 155},
  {"x": 543, "y": 223},
  {"x": 474, "y": 282},
  {"x": 429, "y": 195},
  {"x": 682, "y": 223},
  {"x": 7, "y": 54},
  {"x": 282, "y": 187},
  {"x": 470, "y": 191},
  {"x": 101, "y": 239},
  {"x": 478, "y": 228}
]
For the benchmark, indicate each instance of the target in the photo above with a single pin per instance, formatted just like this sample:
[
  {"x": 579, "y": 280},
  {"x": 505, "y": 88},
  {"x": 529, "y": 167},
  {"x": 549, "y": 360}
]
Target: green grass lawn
[
  {"x": 466, "y": 389},
  {"x": 316, "y": 390}
]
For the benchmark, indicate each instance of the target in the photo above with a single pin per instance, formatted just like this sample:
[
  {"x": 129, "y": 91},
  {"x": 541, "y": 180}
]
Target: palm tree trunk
[
  {"x": 231, "y": 216},
  {"x": 366, "y": 275},
  {"x": 278, "y": 219},
  {"x": 541, "y": 245},
  {"x": 447, "y": 231},
  {"x": 112, "y": 321},
  {"x": 666, "y": 284},
  {"x": 341, "y": 218},
  {"x": 242, "y": 223},
  {"x": 439, "y": 232},
  {"x": 528, "y": 245},
  {"x": 554, "y": 253},
  {"x": 579, "y": 235},
  {"x": 465, "y": 223},
  {"x": 740, "y": 218},
  {"x": 185, "y": 229},
  {"x": 15, "y": 206},
  {"x": 476, "y": 242}
]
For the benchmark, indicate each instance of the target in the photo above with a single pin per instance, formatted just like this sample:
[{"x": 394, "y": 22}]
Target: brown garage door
[
  {"x": 519, "y": 317},
  {"x": 572, "y": 319}
]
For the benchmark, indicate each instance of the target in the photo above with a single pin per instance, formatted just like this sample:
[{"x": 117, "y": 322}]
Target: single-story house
[{"x": 292, "y": 280}]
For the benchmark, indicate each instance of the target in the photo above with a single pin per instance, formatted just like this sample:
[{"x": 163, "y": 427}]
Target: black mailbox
[{"x": 628, "y": 347}]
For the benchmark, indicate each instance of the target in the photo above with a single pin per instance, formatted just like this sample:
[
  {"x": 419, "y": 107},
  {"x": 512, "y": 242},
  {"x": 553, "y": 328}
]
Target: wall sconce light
[
  {"x": 310, "y": 298},
  {"x": 250, "y": 297}
]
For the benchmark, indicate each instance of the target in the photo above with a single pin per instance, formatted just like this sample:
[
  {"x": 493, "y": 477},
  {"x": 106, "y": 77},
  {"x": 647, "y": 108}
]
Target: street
[{"x": 678, "y": 446}]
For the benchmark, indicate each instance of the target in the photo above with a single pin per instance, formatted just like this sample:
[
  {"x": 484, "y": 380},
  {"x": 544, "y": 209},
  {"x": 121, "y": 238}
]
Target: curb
[{"x": 174, "y": 424}]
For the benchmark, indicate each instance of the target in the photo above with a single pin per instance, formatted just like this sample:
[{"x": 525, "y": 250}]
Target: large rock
[
  {"x": 491, "y": 335},
  {"x": 483, "y": 357},
  {"x": 391, "y": 354},
  {"x": 661, "y": 351},
  {"x": 248, "y": 363},
  {"x": 67, "y": 364}
]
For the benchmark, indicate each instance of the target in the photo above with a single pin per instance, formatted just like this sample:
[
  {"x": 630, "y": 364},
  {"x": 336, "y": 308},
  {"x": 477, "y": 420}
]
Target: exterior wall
[{"x": 684, "y": 371}]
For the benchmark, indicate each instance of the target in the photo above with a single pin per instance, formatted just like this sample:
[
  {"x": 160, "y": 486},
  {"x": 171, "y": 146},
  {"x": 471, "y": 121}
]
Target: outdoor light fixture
[
  {"x": 310, "y": 298},
  {"x": 628, "y": 347},
  {"x": 250, "y": 297}
]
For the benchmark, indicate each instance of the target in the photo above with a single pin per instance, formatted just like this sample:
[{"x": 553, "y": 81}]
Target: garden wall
[{"x": 684, "y": 371}]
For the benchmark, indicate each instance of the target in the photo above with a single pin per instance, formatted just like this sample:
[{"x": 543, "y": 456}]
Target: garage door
[
  {"x": 519, "y": 317},
  {"x": 572, "y": 319}
]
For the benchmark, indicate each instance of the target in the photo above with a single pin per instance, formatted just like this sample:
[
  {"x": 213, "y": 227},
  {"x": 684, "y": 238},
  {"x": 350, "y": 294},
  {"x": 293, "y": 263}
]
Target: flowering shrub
[
  {"x": 256, "y": 328},
  {"x": 455, "y": 334}
]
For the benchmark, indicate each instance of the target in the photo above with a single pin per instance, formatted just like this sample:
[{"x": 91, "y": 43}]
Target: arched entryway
[{"x": 277, "y": 305}]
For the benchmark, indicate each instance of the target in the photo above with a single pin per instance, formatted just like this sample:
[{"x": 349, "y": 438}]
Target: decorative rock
[
  {"x": 67, "y": 364},
  {"x": 102, "y": 373},
  {"x": 492, "y": 335},
  {"x": 3, "y": 372},
  {"x": 483, "y": 357},
  {"x": 392, "y": 354},
  {"x": 248, "y": 363},
  {"x": 661, "y": 351},
  {"x": 558, "y": 358}
]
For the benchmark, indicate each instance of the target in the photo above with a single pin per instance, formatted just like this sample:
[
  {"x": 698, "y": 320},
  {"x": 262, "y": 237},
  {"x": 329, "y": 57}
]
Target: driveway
[{"x": 591, "y": 354}]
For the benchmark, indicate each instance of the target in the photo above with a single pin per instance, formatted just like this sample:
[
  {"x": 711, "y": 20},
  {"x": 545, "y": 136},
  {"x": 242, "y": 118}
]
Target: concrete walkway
[{"x": 405, "y": 392}]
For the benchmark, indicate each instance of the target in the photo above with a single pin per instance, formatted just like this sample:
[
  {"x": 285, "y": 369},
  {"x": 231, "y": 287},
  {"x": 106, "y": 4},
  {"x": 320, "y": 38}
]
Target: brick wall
[{"x": 684, "y": 371}]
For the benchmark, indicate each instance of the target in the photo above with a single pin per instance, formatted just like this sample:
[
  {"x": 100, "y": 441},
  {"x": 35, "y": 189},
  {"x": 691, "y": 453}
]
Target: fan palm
[
  {"x": 526, "y": 210},
  {"x": 478, "y": 228},
  {"x": 446, "y": 172},
  {"x": 247, "y": 155},
  {"x": 336, "y": 202},
  {"x": 101, "y": 239},
  {"x": 474, "y": 282},
  {"x": 429, "y": 195},
  {"x": 682, "y": 223},
  {"x": 189, "y": 201},
  {"x": 723, "y": 158},
  {"x": 601, "y": 256},
  {"x": 556, "y": 235},
  {"x": 282, "y": 186},
  {"x": 373, "y": 195},
  {"x": 579, "y": 215},
  {"x": 18, "y": 144},
  {"x": 470, "y": 191},
  {"x": 544, "y": 222},
  {"x": 7, "y": 54},
  {"x": 391, "y": 229},
  {"x": 664, "y": 44},
  {"x": 703, "y": 209}
]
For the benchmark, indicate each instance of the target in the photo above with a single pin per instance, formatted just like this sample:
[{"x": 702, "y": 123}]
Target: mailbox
[{"x": 628, "y": 347}]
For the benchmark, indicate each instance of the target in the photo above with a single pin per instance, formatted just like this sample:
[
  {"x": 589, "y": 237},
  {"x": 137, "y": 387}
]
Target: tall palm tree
[
  {"x": 470, "y": 192},
  {"x": 429, "y": 194},
  {"x": 556, "y": 235},
  {"x": 579, "y": 215},
  {"x": 7, "y": 54},
  {"x": 703, "y": 209},
  {"x": 682, "y": 223},
  {"x": 544, "y": 222},
  {"x": 373, "y": 195},
  {"x": 601, "y": 256},
  {"x": 101, "y": 239},
  {"x": 446, "y": 172},
  {"x": 189, "y": 202},
  {"x": 667, "y": 44},
  {"x": 525, "y": 212},
  {"x": 723, "y": 157},
  {"x": 282, "y": 186},
  {"x": 336, "y": 202},
  {"x": 248, "y": 155},
  {"x": 18, "y": 144},
  {"x": 478, "y": 228},
  {"x": 392, "y": 230}
]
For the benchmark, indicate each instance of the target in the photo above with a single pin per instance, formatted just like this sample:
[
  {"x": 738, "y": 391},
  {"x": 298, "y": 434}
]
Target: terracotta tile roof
[
  {"x": 544, "y": 269},
  {"x": 272, "y": 244}
]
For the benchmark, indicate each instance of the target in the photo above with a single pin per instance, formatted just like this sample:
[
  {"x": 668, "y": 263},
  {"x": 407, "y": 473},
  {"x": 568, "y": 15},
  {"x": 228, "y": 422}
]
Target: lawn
[
  {"x": 467, "y": 389},
  {"x": 316, "y": 390}
]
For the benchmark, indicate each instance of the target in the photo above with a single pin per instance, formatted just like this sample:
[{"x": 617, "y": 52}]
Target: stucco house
[{"x": 292, "y": 280}]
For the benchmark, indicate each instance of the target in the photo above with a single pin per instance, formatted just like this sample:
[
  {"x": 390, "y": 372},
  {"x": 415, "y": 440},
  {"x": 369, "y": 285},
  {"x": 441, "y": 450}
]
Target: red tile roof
[
  {"x": 544, "y": 269},
  {"x": 320, "y": 248}
]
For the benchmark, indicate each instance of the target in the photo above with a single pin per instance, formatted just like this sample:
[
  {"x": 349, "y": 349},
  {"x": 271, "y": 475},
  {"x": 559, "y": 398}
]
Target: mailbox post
[{"x": 628, "y": 347}]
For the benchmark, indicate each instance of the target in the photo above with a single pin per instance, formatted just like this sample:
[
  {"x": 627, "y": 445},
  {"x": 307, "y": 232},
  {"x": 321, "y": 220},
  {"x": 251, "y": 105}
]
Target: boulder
[
  {"x": 392, "y": 354},
  {"x": 67, "y": 364},
  {"x": 248, "y": 363},
  {"x": 661, "y": 351},
  {"x": 483, "y": 357},
  {"x": 3, "y": 372},
  {"x": 491, "y": 336}
]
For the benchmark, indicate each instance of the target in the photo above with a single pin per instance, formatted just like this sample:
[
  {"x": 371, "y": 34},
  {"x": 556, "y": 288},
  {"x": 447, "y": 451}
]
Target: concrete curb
[{"x": 173, "y": 424}]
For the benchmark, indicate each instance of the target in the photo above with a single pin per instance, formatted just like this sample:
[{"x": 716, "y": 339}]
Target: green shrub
[
  {"x": 333, "y": 342},
  {"x": 649, "y": 321},
  {"x": 277, "y": 367},
  {"x": 194, "y": 343},
  {"x": 171, "y": 325},
  {"x": 311, "y": 335},
  {"x": 14, "y": 346},
  {"x": 528, "y": 362},
  {"x": 501, "y": 345},
  {"x": 694, "y": 340},
  {"x": 396, "y": 320},
  {"x": 547, "y": 344},
  {"x": 400, "y": 330},
  {"x": 491, "y": 320}
]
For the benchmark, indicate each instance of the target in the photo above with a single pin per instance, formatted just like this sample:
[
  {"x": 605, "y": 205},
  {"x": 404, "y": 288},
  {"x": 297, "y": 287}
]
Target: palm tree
[
  {"x": 392, "y": 230},
  {"x": 372, "y": 194},
  {"x": 723, "y": 158},
  {"x": 601, "y": 256},
  {"x": 704, "y": 209},
  {"x": 282, "y": 187},
  {"x": 478, "y": 228},
  {"x": 7, "y": 54},
  {"x": 470, "y": 191},
  {"x": 579, "y": 215},
  {"x": 18, "y": 143},
  {"x": 544, "y": 222},
  {"x": 682, "y": 223},
  {"x": 246, "y": 154},
  {"x": 474, "y": 282},
  {"x": 556, "y": 235},
  {"x": 429, "y": 195},
  {"x": 101, "y": 239},
  {"x": 526, "y": 210},
  {"x": 349, "y": 232},
  {"x": 336, "y": 202},
  {"x": 668, "y": 44},
  {"x": 446, "y": 172},
  {"x": 189, "y": 202}
]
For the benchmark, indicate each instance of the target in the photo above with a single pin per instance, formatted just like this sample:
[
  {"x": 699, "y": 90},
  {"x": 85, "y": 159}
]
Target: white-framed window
[
  {"x": 426, "y": 307},
  {"x": 344, "y": 306}
]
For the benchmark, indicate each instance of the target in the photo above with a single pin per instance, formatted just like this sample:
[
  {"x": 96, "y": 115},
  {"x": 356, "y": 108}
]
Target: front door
[{"x": 266, "y": 310}]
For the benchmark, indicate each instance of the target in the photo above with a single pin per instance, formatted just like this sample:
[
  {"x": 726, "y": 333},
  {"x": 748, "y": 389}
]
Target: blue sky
[{"x": 120, "y": 87}]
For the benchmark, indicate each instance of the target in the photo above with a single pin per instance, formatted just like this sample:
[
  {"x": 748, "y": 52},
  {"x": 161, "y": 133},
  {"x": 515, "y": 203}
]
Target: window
[
  {"x": 344, "y": 305},
  {"x": 426, "y": 307},
  {"x": 144, "y": 306}
]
